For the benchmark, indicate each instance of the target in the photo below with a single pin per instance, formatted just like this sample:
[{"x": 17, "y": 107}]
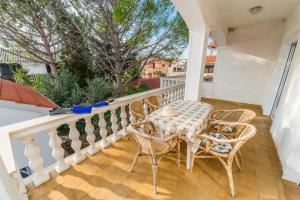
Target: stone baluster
[
  {"x": 57, "y": 151},
  {"x": 103, "y": 132},
  {"x": 171, "y": 95},
  {"x": 162, "y": 82},
  {"x": 178, "y": 94},
  {"x": 124, "y": 121},
  {"x": 132, "y": 118},
  {"x": 175, "y": 94},
  {"x": 76, "y": 143},
  {"x": 89, "y": 129},
  {"x": 146, "y": 108},
  {"x": 32, "y": 152},
  {"x": 114, "y": 126}
]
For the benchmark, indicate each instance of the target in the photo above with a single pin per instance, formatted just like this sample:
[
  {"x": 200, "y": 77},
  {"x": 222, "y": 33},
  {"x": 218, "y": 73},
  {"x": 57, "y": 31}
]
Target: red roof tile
[
  {"x": 19, "y": 93},
  {"x": 210, "y": 59}
]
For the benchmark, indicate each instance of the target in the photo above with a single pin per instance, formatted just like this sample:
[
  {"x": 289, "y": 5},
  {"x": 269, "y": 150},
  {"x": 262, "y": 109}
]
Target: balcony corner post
[{"x": 32, "y": 152}]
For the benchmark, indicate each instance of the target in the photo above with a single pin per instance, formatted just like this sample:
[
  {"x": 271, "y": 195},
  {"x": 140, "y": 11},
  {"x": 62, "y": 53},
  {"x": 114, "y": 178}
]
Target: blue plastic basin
[
  {"x": 82, "y": 109},
  {"x": 100, "y": 104}
]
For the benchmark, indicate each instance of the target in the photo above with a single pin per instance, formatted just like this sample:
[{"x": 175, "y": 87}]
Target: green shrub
[
  {"x": 63, "y": 91},
  {"x": 98, "y": 89},
  {"x": 21, "y": 76},
  {"x": 133, "y": 90}
]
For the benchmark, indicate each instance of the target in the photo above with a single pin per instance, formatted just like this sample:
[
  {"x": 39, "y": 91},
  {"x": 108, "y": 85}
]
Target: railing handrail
[
  {"x": 33, "y": 126},
  {"x": 174, "y": 77}
]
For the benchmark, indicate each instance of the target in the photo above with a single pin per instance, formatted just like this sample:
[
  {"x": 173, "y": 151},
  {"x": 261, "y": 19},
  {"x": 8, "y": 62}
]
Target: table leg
[{"x": 188, "y": 156}]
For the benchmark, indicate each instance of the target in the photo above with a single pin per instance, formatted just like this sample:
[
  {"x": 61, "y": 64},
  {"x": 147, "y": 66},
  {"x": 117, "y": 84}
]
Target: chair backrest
[
  {"x": 246, "y": 131},
  {"x": 154, "y": 102},
  {"x": 236, "y": 115},
  {"x": 247, "y": 116},
  {"x": 137, "y": 110},
  {"x": 141, "y": 138},
  {"x": 142, "y": 133}
]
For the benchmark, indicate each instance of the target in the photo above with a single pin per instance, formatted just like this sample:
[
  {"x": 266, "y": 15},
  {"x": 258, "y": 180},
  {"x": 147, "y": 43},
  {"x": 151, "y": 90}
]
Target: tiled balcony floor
[{"x": 105, "y": 175}]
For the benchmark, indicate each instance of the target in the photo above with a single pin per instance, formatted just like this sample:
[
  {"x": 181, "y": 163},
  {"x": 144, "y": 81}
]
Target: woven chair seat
[
  {"x": 226, "y": 128},
  {"x": 217, "y": 147}
]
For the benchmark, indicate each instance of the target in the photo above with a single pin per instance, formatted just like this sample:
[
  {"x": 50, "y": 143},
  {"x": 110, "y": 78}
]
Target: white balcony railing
[
  {"x": 171, "y": 80},
  {"x": 26, "y": 130}
]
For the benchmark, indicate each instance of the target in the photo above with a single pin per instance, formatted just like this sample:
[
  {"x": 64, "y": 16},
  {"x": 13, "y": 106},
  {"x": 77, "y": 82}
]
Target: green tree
[
  {"x": 98, "y": 89},
  {"x": 28, "y": 25},
  {"x": 75, "y": 52},
  {"x": 123, "y": 33},
  {"x": 63, "y": 91}
]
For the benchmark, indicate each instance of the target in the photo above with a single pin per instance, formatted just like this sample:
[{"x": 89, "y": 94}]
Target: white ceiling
[{"x": 236, "y": 12}]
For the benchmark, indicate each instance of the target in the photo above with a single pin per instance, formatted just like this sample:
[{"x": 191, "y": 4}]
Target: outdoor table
[{"x": 191, "y": 118}]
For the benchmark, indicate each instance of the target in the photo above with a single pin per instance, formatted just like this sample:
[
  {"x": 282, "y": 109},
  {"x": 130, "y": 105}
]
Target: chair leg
[
  {"x": 128, "y": 137},
  {"x": 154, "y": 172},
  {"x": 135, "y": 159},
  {"x": 238, "y": 162},
  {"x": 230, "y": 179},
  {"x": 178, "y": 154},
  {"x": 240, "y": 156},
  {"x": 192, "y": 163}
]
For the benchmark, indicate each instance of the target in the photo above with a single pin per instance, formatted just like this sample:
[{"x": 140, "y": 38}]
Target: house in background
[
  {"x": 155, "y": 67},
  {"x": 210, "y": 61},
  {"x": 20, "y": 103},
  {"x": 10, "y": 60},
  {"x": 178, "y": 67}
]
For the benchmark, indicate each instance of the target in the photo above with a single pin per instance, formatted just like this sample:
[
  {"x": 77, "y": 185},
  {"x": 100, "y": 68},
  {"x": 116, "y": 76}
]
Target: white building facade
[{"x": 254, "y": 63}]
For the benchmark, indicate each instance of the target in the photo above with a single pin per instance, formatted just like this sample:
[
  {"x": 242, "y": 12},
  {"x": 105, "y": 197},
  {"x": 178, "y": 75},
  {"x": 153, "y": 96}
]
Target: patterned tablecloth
[{"x": 191, "y": 118}]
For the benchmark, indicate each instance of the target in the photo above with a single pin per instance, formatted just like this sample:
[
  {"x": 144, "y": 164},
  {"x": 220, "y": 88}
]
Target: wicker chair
[
  {"x": 137, "y": 110},
  {"x": 216, "y": 145},
  {"x": 154, "y": 102},
  {"x": 235, "y": 115},
  {"x": 151, "y": 144}
]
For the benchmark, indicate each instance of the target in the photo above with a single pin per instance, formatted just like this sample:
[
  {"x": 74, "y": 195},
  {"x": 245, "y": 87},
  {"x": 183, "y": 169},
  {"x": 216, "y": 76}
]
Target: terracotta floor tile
[{"x": 106, "y": 175}]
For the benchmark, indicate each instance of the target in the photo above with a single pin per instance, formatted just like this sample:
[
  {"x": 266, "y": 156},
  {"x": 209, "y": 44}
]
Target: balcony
[
  {"x": 258, "y": 63},
  {"x": 101, "y": 171},
  {"x": 105, "y": 175}
]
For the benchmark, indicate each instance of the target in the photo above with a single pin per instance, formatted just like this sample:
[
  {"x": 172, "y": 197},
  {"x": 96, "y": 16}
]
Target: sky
[{"x": 185, "y": 52}]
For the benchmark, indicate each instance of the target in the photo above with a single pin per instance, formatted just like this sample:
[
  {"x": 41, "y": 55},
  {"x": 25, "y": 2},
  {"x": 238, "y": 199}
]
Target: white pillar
[
  {"x": 124, "y": 121},
  {"x": 89, "y": 129},
  {"x": 114, "y": 126},
  {"x": 196, "y": 64},
  {"x": 76, "y": 143},
  {"x": 103, "y": 132},
  {"x": 32, "y": 152},
  {"x": 57, "y": 151},
  {"x": 8, "y": 189}
]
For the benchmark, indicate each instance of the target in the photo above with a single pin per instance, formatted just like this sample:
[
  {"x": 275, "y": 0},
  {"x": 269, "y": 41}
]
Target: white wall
[
  {"x": 10, "y": 113},
  {"x": 244, "y": 66},
  {"x": 286, "y": 125},
  {"x": 35, "y": 68}
]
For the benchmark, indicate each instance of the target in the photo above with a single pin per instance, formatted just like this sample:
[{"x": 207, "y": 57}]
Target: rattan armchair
[
  {"x": 218, "y": 146},
  {"x": 137, "y": 110},
  {"x": 151, "y": 144},
  {"x": 235, "y": 115},
  {"x": 154, "y": 102}
]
